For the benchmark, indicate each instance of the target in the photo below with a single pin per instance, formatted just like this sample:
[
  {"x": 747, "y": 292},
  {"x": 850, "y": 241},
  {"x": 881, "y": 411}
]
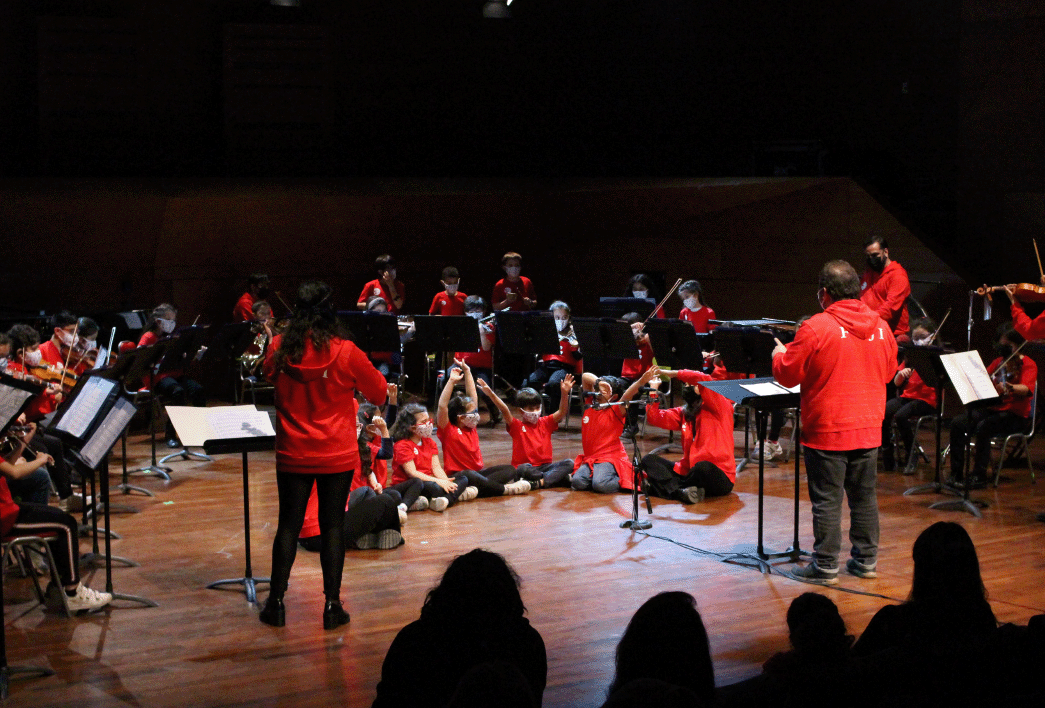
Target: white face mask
[
  {"x": 560, "y": 325},
  {"x": 66, "y": 337},
  {"x": 692, "y": 303},
  {"x": 468, "y": 420},
  {"x": 167, "y": 326},
  {"x": 451, "y": 289},
  {"x": 638, "y": 293},
  {"x": 33, "y": 358},
  {"x": 513, "y": 271},
  {"x": 921, "y": 342},
  {"x": 474, "y": 315},
  {"x": 425, "y": 430},
  {"x": 531, "y": 417}
]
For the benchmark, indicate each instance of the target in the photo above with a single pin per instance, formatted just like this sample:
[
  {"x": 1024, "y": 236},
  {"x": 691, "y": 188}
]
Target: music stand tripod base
[
  {"x": 637, "y": 524},
  {"x": 185, "y": 455},
  {"x": 972, "y": 506},
  {"x": 249, "y": 586}
]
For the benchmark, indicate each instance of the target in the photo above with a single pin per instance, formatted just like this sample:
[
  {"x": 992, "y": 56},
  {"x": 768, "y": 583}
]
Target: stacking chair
[
  {"x": 1021, "y": 442},
  {"x": 20, "y": 550}
]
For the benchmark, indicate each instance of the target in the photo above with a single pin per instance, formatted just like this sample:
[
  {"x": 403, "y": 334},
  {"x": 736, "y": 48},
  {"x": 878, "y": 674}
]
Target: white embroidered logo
[
  {"x": 586, "y": 419},
  {"x": 377, "y": 291},
  {"x": 524, "y": 428}
]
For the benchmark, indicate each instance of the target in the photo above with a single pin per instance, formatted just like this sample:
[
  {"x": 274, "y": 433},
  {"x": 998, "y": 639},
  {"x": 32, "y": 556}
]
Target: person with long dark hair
[
  {"x": 473, "y": 616},
  {"x": 316, "y": 372},
  {"x": 666, "y": 640}
]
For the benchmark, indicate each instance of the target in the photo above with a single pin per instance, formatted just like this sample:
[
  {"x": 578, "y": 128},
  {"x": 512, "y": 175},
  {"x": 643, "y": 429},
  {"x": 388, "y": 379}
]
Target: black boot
[
  {"x": 334, "y": 615},
  {"x": 274, "y": 613}
]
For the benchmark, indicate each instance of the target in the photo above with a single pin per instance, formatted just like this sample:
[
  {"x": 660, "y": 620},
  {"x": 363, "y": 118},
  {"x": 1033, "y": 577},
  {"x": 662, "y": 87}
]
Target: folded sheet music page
[
  {"x": 197, "y": 425},
  {"x": 769, "y": 388},
  {"x": 969, "y": 376}
]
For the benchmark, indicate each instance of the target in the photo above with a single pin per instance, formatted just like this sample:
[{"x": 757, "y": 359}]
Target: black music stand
[
  {"x": 230, "y": 342},
  {"x": 762, "y": 403},
  {"x": 184, "y": 349},
  {"x": 255, "y": 440},
  {"x": 132, "y": 368},
  {"x": 973, "y": 396},
  {"x": 605, "y": 338},
  {"x": 617, "y": 307},
  {"x": 15, "y": 396},
  {"x": 527, "y": 333},
  {"x": 446, "y": 333},
  {"x": 926, "y": 362},
  {"x": 89, "y": 422},
  {"x": 372, "y": 331}
]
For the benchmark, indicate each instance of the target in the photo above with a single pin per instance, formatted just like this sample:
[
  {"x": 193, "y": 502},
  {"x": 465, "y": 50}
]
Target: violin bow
[
  {"x": 1035, "y": 242},
  {"x": 69, "y": 356},
  {"x": 933, "y": 337},
  {"x": 1001, "y": 367},
  {"x": 661, "y": 303},
  {"x": 290, "y": 310}
]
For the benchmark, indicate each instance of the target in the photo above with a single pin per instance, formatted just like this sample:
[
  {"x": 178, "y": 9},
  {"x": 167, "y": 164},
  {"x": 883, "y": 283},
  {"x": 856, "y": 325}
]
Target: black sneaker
[
  {"x": 692, "y": 495},
  {"x": 813, "y": 574},
  {"x": 861, "y": 570}
]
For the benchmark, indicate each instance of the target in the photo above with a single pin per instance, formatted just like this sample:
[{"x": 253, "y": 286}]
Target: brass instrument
[{"x": 255, "y": 353}]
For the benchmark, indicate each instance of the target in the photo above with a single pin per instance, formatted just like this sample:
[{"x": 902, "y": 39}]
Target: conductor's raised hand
[{"x": 779, "y": 348}]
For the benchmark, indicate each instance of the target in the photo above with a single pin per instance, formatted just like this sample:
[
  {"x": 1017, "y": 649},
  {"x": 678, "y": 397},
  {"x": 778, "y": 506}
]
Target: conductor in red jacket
[
  {"x": 316, "y": 372},
  {"x": 842, "y": 358}
]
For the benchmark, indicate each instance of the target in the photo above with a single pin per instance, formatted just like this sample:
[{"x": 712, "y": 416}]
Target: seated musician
[
  {"x": 174, "y": 386},
  {"x": 553, "y": 368},
  {"x": 884, "y": 286},
  {"x": 914, "y": 400},
  {"x": 55, "y": 350},
  {"x": 603, "y": 465},
  {"x": 694, "y": 309},
  {"x": 29, "y": 519},
  {"x": 481, "y": 361},
  {"x": 641, "y": 285},
  {"x": 450, "y": 301},
  {"x": 707, "y": 467},
  {"x": 257, "y": 289},
  {"x": 631, "y": 369},
  {"x": 85, "y": 351},
  {"x": 390, "y": 364},
  {"x": 385, "y": 286},
  {"x": 25, "y": 343},
  {"x": 1015, "y": 383},
  {"x": 1030, "y": 329}
]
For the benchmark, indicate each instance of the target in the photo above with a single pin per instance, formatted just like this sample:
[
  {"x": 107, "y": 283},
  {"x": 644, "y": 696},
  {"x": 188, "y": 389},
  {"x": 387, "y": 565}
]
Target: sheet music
[
  {"x": 11, "y": 399},
  {"x": 969, "y": 376},
  {"x": 105, "y": 436},
  {"x": 84, "y": 407},
  {"x": 197, "y": 425},
  {"x": 767, "y": 388}
]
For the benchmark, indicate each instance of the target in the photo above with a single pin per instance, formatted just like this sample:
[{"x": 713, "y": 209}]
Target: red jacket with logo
[{"x": 842, "y": 358}]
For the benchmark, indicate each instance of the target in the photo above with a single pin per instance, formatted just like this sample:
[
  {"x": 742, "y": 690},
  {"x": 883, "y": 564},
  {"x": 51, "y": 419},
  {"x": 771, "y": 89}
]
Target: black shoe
[
  {"x": 274, "y": 613},
  {"x": 334, "y": 615}
]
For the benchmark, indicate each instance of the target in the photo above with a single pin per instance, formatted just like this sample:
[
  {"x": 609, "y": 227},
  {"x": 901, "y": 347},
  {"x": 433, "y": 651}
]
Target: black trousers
[
  {"x": 39, "y": 520},
  {"x": 665, "y": 483},
  {"x": 294, "y": 490},
  {"x": 984, "y": 424}
]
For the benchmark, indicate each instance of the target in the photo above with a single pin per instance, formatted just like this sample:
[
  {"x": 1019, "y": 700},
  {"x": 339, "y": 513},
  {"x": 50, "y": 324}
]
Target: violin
[
  {"x": 52, "y": 375},
  {"x": 1024, "y": 292}
]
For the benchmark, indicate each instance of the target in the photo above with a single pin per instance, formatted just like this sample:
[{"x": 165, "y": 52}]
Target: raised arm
[
  {"x": 565, "y": 386},
  {"x": 506, "y": 412},
  {"x": 469, "y": 385},
  {"x": 453, "y": 377},
  {"x": 647, "y": 376}
]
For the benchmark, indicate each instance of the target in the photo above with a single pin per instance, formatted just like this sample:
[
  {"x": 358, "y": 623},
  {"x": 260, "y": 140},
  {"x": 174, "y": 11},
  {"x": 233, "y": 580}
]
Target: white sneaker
[
  {"x": 770, "y": 449},
  {"x": 87, "y": 599},
  {"x": 73, "y": 503},
  {"x": 402, "y": 514},
  {"x": 438, "y": 504},
  {"x": 420, "y": 505},
  {"x": 520, "y": 487},
  {"x": 468, "y": 494}
]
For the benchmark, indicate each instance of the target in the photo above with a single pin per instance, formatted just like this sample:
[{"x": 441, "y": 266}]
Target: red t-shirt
[
  {"x": 523, "y": 287},
  {"x": 447, "y": 305},
  {"x": 569, "y": 355},
  {"x": 244, "y": 309},
  {"x": 633, "y": 368},
  {"x": 600, "y": 442},
  {"x": 916, "y": 389},
  {"x": 532, "y": 443},
  {"x": 709, "y": 438},
  {"x": 421, "y": 455},
  {"x": 51, "y": 353},
  {"x": 698, "y": 318},
  {"x": 1030, "y": 329},
  {"x": 8, "y": 509},
  {"x": 1028, "y": 377},
  {"x": 482, "y": 359},
  {"x": 886, "y": 293},
  {"x": 460, "y": 448},
  {"x": 376, "y": 288}
]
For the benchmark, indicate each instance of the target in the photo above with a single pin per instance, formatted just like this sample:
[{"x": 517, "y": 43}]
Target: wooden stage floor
[{"x": 583, "y": 577}]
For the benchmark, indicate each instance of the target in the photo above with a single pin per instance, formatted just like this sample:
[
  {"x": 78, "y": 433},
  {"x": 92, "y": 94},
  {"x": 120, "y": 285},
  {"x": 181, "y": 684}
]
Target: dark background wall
[{"x": 119, "y": 113}]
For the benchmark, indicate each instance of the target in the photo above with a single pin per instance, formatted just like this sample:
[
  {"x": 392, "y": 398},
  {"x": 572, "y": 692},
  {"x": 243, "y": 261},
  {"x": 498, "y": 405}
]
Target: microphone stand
[{"x": 634, "y": 523}]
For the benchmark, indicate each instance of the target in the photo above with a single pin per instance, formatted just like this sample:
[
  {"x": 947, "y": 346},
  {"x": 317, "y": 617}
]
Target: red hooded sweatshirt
[
  {"x": 316, "y": 406},
  {"x": 843, "y": 358}
]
